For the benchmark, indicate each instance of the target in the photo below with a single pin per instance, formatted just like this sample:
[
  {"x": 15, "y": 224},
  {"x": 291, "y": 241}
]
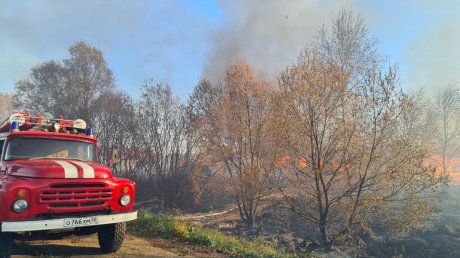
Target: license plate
[{"x": 81, "y": 222}]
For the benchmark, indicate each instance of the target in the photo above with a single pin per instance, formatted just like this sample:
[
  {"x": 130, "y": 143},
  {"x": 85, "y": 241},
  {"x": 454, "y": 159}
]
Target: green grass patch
[{"x": 161, "y": 226}]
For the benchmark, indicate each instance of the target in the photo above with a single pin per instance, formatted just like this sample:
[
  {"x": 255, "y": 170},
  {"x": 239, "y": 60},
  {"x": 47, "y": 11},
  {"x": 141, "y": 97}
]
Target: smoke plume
[{"x": 269, "y": 35}]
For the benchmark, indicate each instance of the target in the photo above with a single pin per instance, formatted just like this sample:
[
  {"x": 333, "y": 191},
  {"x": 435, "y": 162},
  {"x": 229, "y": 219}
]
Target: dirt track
[{"x": 87, "y": 246}]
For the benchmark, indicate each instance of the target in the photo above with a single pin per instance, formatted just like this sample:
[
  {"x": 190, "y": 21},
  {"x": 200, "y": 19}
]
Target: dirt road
[{"x": 87, "y": 246}]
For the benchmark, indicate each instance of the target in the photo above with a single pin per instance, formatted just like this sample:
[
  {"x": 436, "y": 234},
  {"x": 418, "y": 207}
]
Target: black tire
[
  {"x": 111, "y": 237},
  {"x": 6, "y": 245}
]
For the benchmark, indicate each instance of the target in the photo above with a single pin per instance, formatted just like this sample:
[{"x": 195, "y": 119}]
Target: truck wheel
[
  {"x": 6, "y": 245},
  {"x": 111, "y": 237}
]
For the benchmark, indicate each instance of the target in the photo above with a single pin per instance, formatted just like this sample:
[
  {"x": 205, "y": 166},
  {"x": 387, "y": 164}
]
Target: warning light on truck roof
[
  {"x": 14, "y": 127},
  {"x": 89, "y": 132}
]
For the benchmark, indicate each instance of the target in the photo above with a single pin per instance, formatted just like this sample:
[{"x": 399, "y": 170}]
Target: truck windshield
[{"x": 36, "y": 148}]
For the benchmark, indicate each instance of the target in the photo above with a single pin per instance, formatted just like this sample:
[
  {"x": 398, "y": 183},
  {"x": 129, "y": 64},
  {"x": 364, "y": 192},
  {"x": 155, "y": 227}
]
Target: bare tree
[
  {"x": 419, "y": 120},
  {"x": 44, "y": 91},
  {"x": 87, "y": 77},
  {"x": 447, "y": 104},
  {"x": 71, "y": 88},
  {"x": 235, "y": 127},
  {"x": 6, "y": 105},
  {"x": 348, "y": 44},
  {"x": 199, "y": 107},
  {"x": 167, "y": 140},
  {"x": 116, "y": 127}
]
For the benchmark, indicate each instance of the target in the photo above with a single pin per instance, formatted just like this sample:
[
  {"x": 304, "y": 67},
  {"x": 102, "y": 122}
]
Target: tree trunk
[
  {"x": 251, "y": 221},
  {"x": 444, "y": 165},
  {"x": 444, "y": 149},
  {"x": 247, "y": 216},
  {"x": 324, "y": 235}
]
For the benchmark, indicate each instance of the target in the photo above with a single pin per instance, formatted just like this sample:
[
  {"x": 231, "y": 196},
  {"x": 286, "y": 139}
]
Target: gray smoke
[
  {"x": 434, "y": 56},
  {"x": 269, "y": 35}
]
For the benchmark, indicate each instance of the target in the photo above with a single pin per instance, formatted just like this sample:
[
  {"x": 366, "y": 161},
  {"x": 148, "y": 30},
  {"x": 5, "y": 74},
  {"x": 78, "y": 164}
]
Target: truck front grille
[{"x": 62, "y": 196}]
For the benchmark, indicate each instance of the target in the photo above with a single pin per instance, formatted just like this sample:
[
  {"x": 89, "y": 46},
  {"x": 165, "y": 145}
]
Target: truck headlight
[
  {"x": 20, "y": 206},
  {"x": 125, "y": 200}
]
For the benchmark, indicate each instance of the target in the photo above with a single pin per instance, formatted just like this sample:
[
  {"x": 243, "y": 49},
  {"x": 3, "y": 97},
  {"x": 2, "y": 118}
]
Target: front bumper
[{"x": 35, "y": 225}]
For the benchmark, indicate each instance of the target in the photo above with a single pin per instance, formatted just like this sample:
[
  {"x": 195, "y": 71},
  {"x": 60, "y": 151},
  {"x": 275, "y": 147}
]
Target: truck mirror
[{"x": 115, "y": 157}]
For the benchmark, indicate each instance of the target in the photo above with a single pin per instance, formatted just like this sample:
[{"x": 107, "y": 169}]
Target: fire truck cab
[{"x": 51, "y": 184}]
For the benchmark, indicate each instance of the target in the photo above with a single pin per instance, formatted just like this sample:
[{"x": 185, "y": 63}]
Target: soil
[{"x": 87, "y": 246}]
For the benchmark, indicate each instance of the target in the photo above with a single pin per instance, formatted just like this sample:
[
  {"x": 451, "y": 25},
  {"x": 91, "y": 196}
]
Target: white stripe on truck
[
  {"x": 70, "y": 171},
  {"x": 88, "y": 171}
]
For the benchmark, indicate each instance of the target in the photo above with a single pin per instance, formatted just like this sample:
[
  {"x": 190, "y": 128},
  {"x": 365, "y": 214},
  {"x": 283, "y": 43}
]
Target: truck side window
[{"x": 2, "y": 142}]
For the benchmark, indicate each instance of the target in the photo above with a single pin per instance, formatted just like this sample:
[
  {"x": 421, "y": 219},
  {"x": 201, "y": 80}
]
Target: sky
[{"x": 180, "y": 41}]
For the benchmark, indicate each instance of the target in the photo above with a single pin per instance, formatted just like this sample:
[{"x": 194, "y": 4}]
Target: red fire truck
[{"x": 51, "y": 184}]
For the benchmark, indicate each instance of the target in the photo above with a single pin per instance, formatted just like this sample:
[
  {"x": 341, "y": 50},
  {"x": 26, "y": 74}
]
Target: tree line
[{"x": 336, "y": 140}]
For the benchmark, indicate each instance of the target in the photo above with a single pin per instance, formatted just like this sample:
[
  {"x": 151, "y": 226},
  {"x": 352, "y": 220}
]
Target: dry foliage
[
  {"x": 234, "y": 122},
  {"x": 352, "y": 161}
]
